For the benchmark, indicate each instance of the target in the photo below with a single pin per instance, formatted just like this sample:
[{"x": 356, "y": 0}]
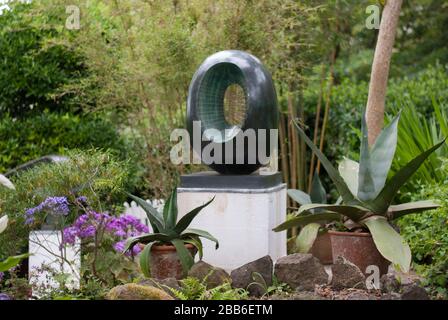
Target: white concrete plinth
[
  {"x": 242, "y": 221},
  {"x": 48, "y": 259}
]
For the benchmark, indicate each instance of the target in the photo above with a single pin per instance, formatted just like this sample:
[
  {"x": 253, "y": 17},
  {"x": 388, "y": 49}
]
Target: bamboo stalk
[
  {"x": 283, "y": 149},
  {"x": 327, "y": 106},
  {"x": 316, "y": 126}
]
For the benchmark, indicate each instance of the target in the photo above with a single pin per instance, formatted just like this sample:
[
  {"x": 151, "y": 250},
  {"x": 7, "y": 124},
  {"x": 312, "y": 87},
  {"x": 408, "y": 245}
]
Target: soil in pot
[
  {"x": 358, "y": 248},
  {"x": 321, "y": 248},
  {"x": 165, "y": 262}
]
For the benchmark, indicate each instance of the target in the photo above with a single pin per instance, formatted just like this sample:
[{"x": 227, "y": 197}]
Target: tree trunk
[{"x": 380, "y": 68}]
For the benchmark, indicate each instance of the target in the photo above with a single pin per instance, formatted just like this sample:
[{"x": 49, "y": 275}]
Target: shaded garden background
[{"x": 120, "y": 82}]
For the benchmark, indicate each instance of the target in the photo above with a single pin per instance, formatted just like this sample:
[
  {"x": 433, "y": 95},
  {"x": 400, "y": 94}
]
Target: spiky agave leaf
[
  {"x": 303, "y": 220},
  {"x": 190, "y": 232},
  {"x": 340, "y": 184},
  {"x": 170, "y": 211},
  {"x": 384, "y": 199},
  {"x": 185, "y": 221},
  {"x": 389, "y": 243},
  {"x": 306, "y": 237},
  {"x": 185, "y": 257},
  {"x": 11, "y": 262},
  {"x": 318, "y": 193},
  {"x": 3, "y": 223},
  {"x": 366, "y": 186},
  {"x": 354, "y": 213},
  {"x": 403, "y": 209},
  {"x": 154, "y": 216},
  {"x": 349, "y": 171},
  {"x": 196, "y": 242},
  {"x": 299, "y": 196},
  {"x": 146, "y": 238},
  {"x": 6, "y": 182},
  {"x": 382, "y": 154},
  {"x": 145, "y": 260}
]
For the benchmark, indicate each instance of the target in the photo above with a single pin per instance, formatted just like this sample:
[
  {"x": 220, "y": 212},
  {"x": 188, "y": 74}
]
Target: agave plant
[
  {"x": 367, "y": 194},
  {"x": 308, "y": 233},
  {"x": 6, "y": 182},
  {"x": 167, "y": 230}
]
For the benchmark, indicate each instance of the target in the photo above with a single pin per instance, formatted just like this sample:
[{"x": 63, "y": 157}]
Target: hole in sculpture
[{"x": 234, "y": 105}]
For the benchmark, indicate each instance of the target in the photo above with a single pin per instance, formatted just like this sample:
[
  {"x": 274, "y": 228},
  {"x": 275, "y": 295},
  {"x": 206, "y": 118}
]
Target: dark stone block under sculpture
[
  {"x": 214, "y": 180},
  {"x": 206, "y": 104}
]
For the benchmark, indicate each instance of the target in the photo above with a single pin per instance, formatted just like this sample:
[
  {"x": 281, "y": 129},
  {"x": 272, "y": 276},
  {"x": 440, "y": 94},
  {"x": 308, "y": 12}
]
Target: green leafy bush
[
  {"x": 94, "y": 174},
  {"x": 418, "y": 132},
  {"x": 427, "y": 236},
  {"x": 349, "y": 99},
  {"x": 50, "y": 133},
  {"x": 194, "y": 289},
  {"x": 33, "y": 68}
]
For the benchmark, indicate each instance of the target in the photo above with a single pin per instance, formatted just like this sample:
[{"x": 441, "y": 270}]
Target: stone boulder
[
  {"x": 347, "y": 275},
  {"x": 414, "y": 292},
  {"x": 301, "y": 271},
  {"x": 248, "y": 276},
  {"x": 133, "y": 291},
  {"x": 163, "y": 284},
  {"x": 389, "y": 283},
  {"x": 212, "y": 276}
]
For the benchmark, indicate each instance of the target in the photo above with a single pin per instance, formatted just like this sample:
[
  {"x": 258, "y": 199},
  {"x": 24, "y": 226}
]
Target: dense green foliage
[
  {"x": 33, "y": 68},
  {"x": 194, "y": 289},
  {"x": 50, "y": 133},
  {"x": 348, "y": 99},
  {"x": 428, "y": 238},
  {"x": 96, "y": 175},
  {"x": 128, "y": 68}
]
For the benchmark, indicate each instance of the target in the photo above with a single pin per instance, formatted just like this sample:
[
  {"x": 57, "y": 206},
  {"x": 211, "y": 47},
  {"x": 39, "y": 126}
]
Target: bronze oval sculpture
[{"x": 206, "y": 104}]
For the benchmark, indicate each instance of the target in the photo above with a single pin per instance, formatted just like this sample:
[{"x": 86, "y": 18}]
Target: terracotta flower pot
[
  {"x": 165, "y": 262},
  {"x": 321, "y": 248},
  {"x": 358, "y": 248}
]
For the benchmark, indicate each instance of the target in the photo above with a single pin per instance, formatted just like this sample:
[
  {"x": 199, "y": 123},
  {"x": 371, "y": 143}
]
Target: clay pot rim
[
  {"x": 349, "y": 234},
  {"x": 167, "y": 247}
]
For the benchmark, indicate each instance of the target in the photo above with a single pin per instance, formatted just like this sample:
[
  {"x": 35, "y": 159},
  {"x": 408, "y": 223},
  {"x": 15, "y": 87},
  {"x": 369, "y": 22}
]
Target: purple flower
[
  {"x": 4, "y": 296},
  {"x": 1, "y": 276},
  {"x": 119, "y": 229},
  {"x": 120, "y": 245},
  {"x": 82, "y": 199},
  {"x": 51, "y": 205},
  {"x": 70, "y": 235}
]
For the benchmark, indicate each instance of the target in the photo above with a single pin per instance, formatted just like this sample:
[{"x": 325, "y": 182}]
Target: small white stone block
[
  {"x": 46, "y": 253},
  {"x": 241, "y": 219}
]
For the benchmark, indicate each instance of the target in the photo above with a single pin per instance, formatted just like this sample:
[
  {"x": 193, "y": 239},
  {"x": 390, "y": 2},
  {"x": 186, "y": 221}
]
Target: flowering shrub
[
  {"x": 102, "y": 237},
  {"x": 94, "y": 226},
  {"x": 56, "y": 206}
]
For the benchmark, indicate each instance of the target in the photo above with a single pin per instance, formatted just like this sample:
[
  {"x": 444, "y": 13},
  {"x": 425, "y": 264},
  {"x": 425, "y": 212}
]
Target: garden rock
[
  {"x": 163, "y": 284},
  {"x": 212, "y": 276},
  {"x": 395, "y": 281},
  {"x": 359, "y": 295},
  {"x": 347, "y": 275},
  {"x": 389, "y": 283},
  {"x": 300, "y": 271},
  {"x": 133, "y": 291},
  {"x": 391, "y": 296},
  {"x": 414, "y": 292},
  {"x": 248, "y": 276}
]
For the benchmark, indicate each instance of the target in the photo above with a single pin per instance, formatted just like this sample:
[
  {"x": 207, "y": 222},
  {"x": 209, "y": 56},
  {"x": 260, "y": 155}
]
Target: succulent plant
[
  {"x": 367, "y": 194},
  {"x": 309, "y": 232},
  {"x": 167, "y": 230}
]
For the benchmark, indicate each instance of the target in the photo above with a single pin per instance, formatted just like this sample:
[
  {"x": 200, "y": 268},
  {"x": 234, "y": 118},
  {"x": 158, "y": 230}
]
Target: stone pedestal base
[
  {"x": 241, "y": 217},
  {"x": 47, "y": 259}
]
